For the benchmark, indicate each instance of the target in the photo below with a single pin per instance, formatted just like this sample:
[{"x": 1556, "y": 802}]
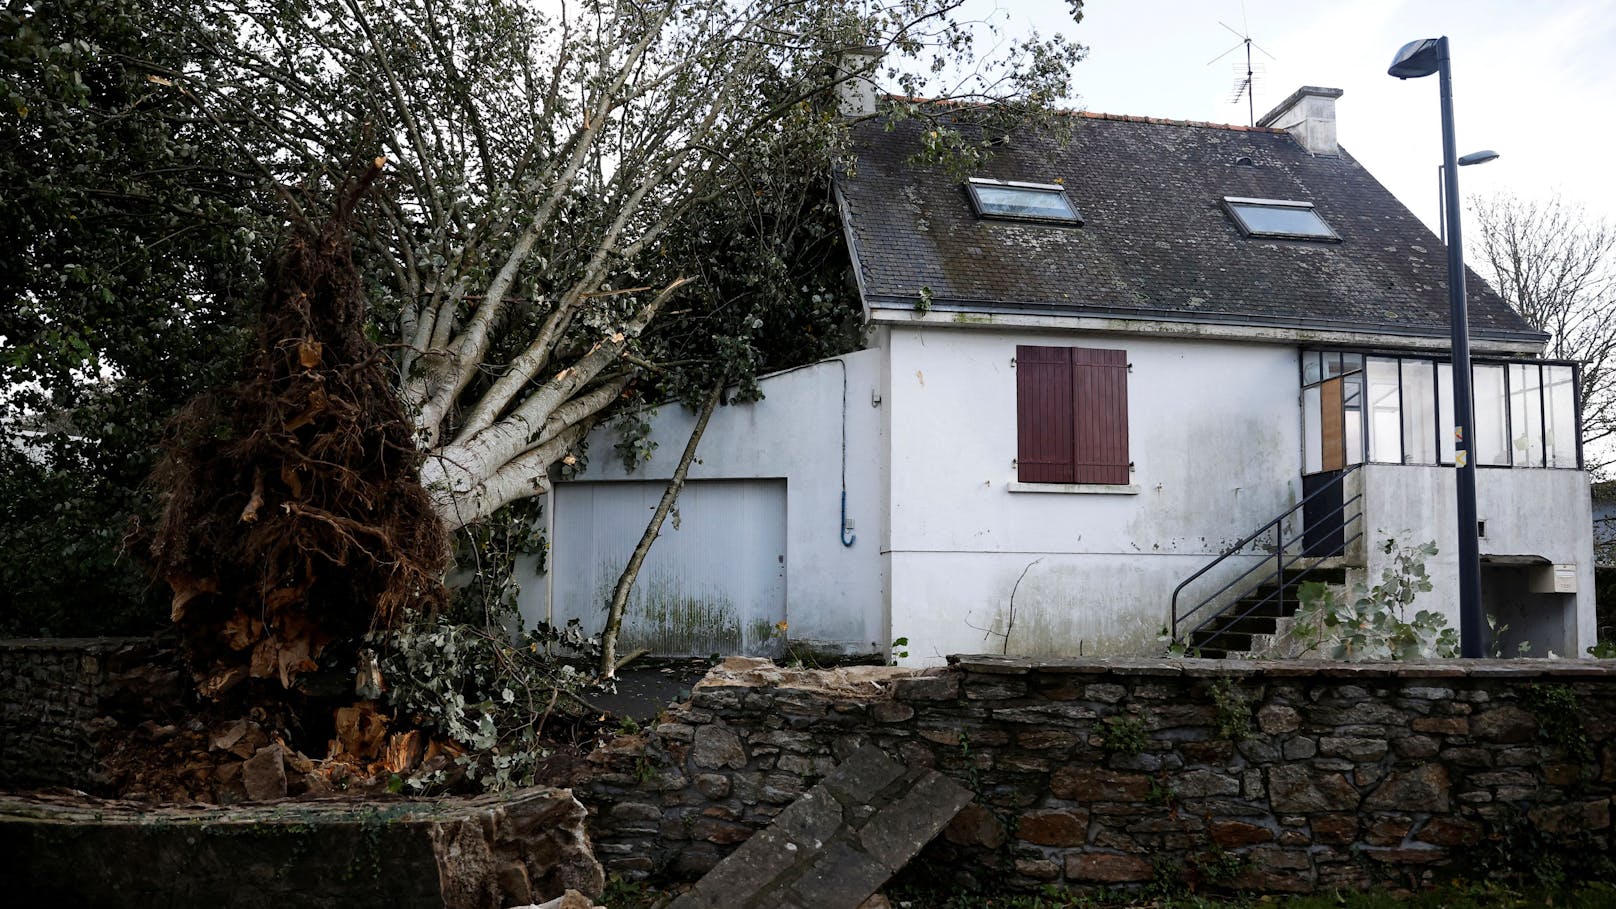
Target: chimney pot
[{"x": 1309, "y": 115}]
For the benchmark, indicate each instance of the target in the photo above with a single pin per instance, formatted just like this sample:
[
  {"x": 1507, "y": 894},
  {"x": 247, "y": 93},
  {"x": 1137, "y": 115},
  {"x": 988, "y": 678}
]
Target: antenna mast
[{"x": 1246, "y": 86}]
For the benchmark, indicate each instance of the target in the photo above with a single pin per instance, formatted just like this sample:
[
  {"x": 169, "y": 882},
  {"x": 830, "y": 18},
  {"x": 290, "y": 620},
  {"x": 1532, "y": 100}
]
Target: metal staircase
[{"x": 1252, "y": 603}]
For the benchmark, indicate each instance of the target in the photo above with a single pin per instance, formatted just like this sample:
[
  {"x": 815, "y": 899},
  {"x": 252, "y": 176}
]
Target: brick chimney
[{"x": 1309, "y": 115}]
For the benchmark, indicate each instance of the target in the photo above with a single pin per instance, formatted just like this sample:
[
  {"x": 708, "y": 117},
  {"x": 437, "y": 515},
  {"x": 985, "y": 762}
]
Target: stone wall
[
  {"x": 59, "y": 693},
  {"x": 1269, "y": 776},
  {"x": 485, "y": 852}
]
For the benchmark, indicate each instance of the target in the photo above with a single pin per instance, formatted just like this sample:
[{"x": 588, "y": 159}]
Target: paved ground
[{"x": 645, "y": 686}]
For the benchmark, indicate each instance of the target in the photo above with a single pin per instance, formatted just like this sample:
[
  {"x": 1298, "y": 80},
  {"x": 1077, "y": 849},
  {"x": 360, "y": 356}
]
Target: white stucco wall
[
  {"x": 1529, "y": 513},
  {"x": 833, "y": 592},
  {"x": 1215, "y": 437}
]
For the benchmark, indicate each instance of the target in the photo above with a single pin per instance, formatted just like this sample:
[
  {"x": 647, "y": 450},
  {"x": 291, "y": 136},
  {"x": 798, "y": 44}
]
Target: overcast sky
[{"x": 1535, "y": 81}]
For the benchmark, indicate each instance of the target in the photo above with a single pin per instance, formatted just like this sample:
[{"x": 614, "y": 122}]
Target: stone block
[
  {"x": 1414, "y": 747},
  {"x": 1295, "y": 787},
  {"x": 1562, "y": 774},
  {"x": 717, "y": 746},
  {"x": 1045, "y": 714},
  {"x": 1387, "y": 831},
  {"x": 1410, "y": 855},
  {"x": 815, "y": 767},
  {"x": 1204, "y": 784},
  {"x": 1212, "y": 751},
  {"x": 1468, "y": 756},
  {"x": 1236, "y": 834},
  {"x": 1172, "y": 716},
  {"x": 1271, "y": 858},
  {"x": 675, "y": 732},
  {"x": 988, "y": 664},
  {"x": 1054, "y": 827},
  {"x": 1038, "y": 869},
  {"x": 1300, "y": 748},
  {"x": 712, "y": 785},
  {"x": 1442, "y": 725},
  {"x": 944, "y": 687},
  {"x": 1047, "y": 739},
  {"x": 1505, "y": 724},
  {"x": 975, "y": 825},
  {"x": 632, "y": 812},
  {"x": 720, "y": 832},
  {"x": 1576, "y": 817},
  {"x": 1107, "y": 868},
  {"x": 1449, "y": 831},
  {"x": 992, "y": 688},
  {"x": 891, "y": 712},
  {"x": 780, "y": 788},
  {"x": 1023, "y": 763},
  {"x": 1091, "y": 784},
  {"x": 264, "y": 774},
  {"x": 1104, "y": 692},
  {"x": 1353, "y": 749},
  {"x": 1424, "y": 788}
]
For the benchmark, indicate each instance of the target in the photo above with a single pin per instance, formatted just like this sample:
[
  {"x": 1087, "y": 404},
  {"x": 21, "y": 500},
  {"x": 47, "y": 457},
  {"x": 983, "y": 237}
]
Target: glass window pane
[
  {"x": 1280, "y": 220},
  {"x": 1560, "y": 391},
  {"x": 1419, "y": 412},
  {"x": 1526, "y": 414},
  {"x": 1444, "y": 403},
  {"x": 1023, "y": 202},
  {"x": 1491, "y": 442},
  {"x": 1332, "y": 364},
  {"x": 1351, "y": 362},
  {"x": 1311, "y": 371},
  {"x": 1385, "y": 412},
  {"x": 1352, "y": 416},
  {"x": 1312, "y": 432}
]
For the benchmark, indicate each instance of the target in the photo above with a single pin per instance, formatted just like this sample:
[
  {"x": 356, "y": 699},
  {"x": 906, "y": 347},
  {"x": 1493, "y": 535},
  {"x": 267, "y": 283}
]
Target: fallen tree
[{"x": 292, "y": 513}]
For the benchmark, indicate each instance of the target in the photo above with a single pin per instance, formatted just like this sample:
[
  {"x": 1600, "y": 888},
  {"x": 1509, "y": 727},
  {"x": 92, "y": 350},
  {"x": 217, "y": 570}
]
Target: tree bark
[{"x": 625, "y": 583}]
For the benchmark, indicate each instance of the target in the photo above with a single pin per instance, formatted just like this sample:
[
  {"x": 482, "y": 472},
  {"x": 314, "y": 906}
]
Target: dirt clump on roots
[{"x": 292, "y": 518}]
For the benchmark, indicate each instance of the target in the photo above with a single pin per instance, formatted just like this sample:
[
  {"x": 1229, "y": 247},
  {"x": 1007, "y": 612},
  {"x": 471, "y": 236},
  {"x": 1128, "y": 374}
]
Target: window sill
[{"x": 1075, "y": 488}]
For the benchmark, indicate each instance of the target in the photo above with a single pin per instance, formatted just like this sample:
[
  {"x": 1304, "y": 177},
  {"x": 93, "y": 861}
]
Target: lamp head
[
  {"x": 1478, "y": 157},
  {"x": 1415, "y": 59}
]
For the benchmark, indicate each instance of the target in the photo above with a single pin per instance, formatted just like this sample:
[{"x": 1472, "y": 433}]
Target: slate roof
[{"x": 1156, "y": 242}]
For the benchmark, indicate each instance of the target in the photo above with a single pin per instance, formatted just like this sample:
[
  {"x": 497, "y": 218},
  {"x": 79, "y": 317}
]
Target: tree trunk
[{"x": 625, "y": 583}]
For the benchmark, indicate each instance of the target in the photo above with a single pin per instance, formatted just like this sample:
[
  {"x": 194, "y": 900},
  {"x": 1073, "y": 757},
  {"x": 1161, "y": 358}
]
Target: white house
[{"x": 1092, "y": 370}]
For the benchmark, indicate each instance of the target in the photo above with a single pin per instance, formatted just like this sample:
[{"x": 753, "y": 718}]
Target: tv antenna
[{"x": 1246, "y": 86}]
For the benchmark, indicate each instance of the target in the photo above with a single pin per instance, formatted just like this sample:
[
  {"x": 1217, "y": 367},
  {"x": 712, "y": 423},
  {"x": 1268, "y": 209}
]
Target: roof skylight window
[
  {"x": 1022, "y": 201},
  {"x": 1278, "y": 218}
]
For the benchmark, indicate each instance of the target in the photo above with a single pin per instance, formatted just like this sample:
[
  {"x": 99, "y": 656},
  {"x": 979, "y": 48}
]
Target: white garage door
[{"x": 714, "y": 581}]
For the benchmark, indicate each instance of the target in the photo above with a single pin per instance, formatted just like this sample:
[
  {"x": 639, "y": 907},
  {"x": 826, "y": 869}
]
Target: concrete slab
[{"x": 838, "y": 843}]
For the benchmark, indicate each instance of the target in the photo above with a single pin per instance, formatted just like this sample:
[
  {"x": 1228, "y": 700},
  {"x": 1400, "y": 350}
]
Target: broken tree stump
[{"x": 839, "y": 842}]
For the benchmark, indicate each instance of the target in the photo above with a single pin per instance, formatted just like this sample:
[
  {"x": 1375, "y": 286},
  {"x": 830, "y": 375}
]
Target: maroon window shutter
[
  {"x": 1100, "y": 403},
  {"x": 1044, "y": 414}
]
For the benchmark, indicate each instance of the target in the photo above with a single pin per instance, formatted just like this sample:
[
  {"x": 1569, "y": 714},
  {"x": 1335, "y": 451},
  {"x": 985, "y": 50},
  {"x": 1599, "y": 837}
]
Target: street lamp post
[
  {"x": 1480, "y": 157},
  {"x": 1413, "y": 60}
]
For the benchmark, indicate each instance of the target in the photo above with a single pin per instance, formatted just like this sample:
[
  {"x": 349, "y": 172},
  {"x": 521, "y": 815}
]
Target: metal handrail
[
  {"x": 1278, "y": 592},
  {"x": 1275, "y": 524},
  {"x": 1279, "y": 560}
]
